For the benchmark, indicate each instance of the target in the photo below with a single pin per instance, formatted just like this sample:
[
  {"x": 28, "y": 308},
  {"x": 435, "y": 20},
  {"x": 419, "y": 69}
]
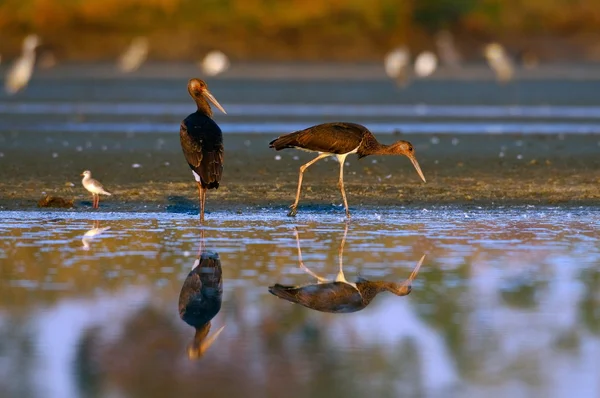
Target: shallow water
[{"x": 505, "y": 304}]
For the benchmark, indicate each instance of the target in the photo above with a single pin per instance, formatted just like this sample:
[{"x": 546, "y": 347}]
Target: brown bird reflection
[
  {"x": 339, "y": 296},
  {"x": 200, "y": 299}
]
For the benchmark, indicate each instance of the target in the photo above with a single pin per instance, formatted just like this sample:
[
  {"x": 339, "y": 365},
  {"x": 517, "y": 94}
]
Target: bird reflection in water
[
  {"x": 339, "y": 296},
  {"x": 200, "y": 299},
  {"x": 91, "y": 234}
]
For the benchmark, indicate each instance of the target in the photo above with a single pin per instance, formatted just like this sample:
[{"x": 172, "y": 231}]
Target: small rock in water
[
  {"x": 374, "y": 161},
  {"x": 519, "y": 156},
  {"x": 167, "y": 163},
  {"x": 454, "y": 141},
  {"x": 387, "y": 177},
  {"x": 54, "y": 155},
  {"x": 435, "y": 140},
  {"x": 501, "y": 154},
  {"x": 296, "y": 158},
  {"x": 247, "y": 142},
  {"x": 79, "y": 148},
  {"x": 277, "y": 157},
  {"x": 136, "y": 165}
]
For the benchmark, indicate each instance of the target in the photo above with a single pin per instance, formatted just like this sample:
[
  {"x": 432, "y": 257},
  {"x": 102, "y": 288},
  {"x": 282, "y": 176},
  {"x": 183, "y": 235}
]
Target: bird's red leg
[
  {"x": 342, "y": 160},
  {"x": 94, "y": 205},
  {"x": 303, "y": 168},
  {"x": 201, "y": 197},
  {"x": 97, "y": 201}
]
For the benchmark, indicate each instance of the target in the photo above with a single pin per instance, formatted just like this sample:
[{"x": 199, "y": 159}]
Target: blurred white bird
[
  {"x": 448, "y": 52},
  {"x": 499, "y": 61},
  {"x": 425, "y": 64},
  {"x": 396, "y": 64},
  {"x": 19, "y": 74},
  {"x": 214, "y": 62},
  {"x": 134, "y": 56}
]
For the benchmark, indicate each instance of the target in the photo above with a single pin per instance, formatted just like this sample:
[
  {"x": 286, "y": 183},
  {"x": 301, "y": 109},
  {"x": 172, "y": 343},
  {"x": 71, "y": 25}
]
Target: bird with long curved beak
[
  {"x": 202, "y": 141},
  {"x": 340, "y": 139}
]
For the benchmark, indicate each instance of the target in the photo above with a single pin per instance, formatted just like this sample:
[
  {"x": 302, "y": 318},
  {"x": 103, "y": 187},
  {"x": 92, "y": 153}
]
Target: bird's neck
[
  {"x": 370, "y": 289},
  {"x": 383, "y": 149},
  {"x": 203, "y": 106},
  {"x": 370, "y": 146}
]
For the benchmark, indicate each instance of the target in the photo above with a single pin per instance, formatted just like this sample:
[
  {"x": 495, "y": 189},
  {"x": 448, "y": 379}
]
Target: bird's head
[
  {"x": 201, "y": 343},
  {"x": 31, "y": 42},
  {"x": 405, "y": 148},
  {"x": 87, "y": 174},
  {"x": 198, "y": 89},
  {"x": 404, "y": 288}
]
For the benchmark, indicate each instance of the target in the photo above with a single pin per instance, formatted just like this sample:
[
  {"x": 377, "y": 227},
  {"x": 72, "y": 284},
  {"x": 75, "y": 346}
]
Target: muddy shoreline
[{"x": 147, "y": 172}]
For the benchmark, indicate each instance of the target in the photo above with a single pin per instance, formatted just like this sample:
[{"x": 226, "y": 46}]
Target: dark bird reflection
[
  {"x": 339, "y": 296},
  {"x": 200, "y": 299}
]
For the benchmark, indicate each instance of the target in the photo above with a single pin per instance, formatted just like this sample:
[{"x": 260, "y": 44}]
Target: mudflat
[{"x": 148, "y": 172}]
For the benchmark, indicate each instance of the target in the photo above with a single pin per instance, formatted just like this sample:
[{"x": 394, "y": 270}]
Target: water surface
[{"x": 505, "y": 304}]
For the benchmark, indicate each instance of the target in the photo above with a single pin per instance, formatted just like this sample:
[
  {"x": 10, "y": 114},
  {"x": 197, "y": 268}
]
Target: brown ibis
[
  {"x": 340, "y": 296},
  {"x": 202, "y": 141},
  {"x": 340, "y": 140},
  {"x": 200, "y": 300}
]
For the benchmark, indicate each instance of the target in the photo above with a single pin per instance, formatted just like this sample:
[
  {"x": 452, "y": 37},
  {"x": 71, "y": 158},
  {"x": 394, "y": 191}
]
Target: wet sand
[{"x": 486, "y": 170}]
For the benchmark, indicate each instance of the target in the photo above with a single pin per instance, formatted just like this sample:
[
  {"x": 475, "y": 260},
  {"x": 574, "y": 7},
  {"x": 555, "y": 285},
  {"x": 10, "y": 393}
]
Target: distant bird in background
[
  {"x": 94, "y": 187},
  {"x": 340, "y": 296},
  {"x": 425, "y": 64},
  {"x": 449, "y": 55},
  {"x": 397, "y": 63},
  {"x": 134, "y": 56},
  {"x": 340, "y": 139},
  {"x": 20, "y": 72},
  {"x": 500, "y": 62},
  {"x": 214, "y": 63},
  {"x": 202, "y": 141}
]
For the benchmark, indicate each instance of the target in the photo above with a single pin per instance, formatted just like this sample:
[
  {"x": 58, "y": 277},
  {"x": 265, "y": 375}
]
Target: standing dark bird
[
  {"x": 202, "y": 141},
  {"x": 200, "y": 300},
  {"x": 340, "y": 140},
  {"x": 340, "y": 296}
]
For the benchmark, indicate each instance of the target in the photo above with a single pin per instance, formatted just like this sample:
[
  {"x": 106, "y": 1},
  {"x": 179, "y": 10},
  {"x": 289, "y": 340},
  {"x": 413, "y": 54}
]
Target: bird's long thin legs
[
  {"x": 201, "y": 199},
  {"x": 301, "y": 263},
  {"x": 340, "y": 276},
  {"x": 294, "y": 207},
  {"x": 342, "y": 160},
  {"x": 95, "y": 201}
]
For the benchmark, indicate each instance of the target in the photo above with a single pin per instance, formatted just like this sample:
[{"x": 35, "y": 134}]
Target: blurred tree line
[{"x": 94, "y": 28}]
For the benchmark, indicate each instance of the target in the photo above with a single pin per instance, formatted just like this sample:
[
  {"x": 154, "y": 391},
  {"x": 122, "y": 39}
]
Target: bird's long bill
[
  {"x": 210, "y": 340},
  {"x": 413, "y": 159},
  {"x": 212, "y": 99}
]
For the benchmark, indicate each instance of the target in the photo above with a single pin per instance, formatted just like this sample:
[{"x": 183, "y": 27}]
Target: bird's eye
[{"x": 410, "y": 148}]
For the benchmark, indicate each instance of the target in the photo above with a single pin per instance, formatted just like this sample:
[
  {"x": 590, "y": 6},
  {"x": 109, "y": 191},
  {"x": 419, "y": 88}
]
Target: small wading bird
[
  {"x": 340, "y": 140},
  {"x": 202, "y": 141},
  {"x": 500, "y": 62},
  {"x": 94, "y": 187},
  {"x": 339, "y": 296},
  {"x": 19, "y": 74},
  {"x": 200, "y": 300}
]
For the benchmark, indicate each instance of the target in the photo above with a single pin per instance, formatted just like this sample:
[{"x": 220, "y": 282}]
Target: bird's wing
[
  {"x": 191, "y": 287},
  {"x": 336, "y": 297},
  {"x": 202, "y": 144},
  {"x": 192, "y": 149},
  {"x": 97, "y": 186},
  {"x": 337, "y": 138}
]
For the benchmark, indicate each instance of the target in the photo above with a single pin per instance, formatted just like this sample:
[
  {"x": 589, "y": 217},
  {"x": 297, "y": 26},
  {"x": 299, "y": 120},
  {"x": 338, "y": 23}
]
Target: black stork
[
  {"x": 339, "y": 296},
  {"x": 340, "y": 140},
  {"x": 200, "y": 300},
  {"x": 202, "y": 141}
]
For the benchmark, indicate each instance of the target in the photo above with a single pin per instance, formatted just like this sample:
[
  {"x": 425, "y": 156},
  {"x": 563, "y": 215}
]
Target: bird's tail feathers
[
  {"x": 283, "y": 292},
  {"x": 285, "y": 141}
]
